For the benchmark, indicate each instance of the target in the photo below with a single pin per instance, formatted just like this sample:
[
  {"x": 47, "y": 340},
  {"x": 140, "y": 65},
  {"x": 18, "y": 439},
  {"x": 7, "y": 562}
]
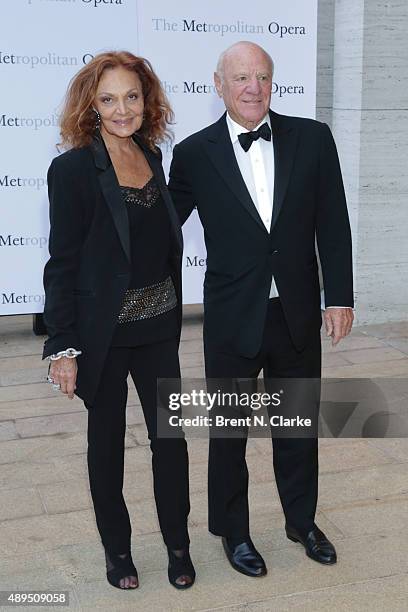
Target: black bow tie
[{"x": 247, "y": 138}]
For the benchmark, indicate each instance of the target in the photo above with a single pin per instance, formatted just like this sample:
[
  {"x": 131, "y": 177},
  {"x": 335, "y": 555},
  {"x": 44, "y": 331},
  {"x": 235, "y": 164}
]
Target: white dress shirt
[{"x": 257, "y": 167}]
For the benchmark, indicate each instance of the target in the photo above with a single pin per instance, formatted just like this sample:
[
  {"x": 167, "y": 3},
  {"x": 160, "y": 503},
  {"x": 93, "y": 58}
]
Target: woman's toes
[
  {"x": 183, "y": 580},
  {"x": 129, "y": 582}
]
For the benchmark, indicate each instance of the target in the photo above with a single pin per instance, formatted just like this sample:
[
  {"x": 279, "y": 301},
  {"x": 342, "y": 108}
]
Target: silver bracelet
[{"x": 71, "y": 353}]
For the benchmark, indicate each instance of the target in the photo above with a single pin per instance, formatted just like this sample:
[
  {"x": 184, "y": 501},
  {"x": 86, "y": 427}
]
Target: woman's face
[{"x": 119, "y": 101}]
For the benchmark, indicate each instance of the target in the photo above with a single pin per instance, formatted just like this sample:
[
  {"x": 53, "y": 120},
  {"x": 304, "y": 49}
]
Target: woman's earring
[{"x": 97, "y": 119}]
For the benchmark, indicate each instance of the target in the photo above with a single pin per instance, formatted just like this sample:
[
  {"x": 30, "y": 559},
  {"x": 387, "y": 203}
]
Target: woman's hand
[{"x": 64, "y": 372}]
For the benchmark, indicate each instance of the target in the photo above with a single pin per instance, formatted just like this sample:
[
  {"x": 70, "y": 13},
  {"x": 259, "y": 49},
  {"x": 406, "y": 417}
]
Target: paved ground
[{"x": 48, "y": 538}]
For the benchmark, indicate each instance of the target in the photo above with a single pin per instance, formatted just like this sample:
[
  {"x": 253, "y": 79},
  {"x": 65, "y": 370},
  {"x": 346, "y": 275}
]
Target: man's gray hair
[{"x": 221, "y": 59}]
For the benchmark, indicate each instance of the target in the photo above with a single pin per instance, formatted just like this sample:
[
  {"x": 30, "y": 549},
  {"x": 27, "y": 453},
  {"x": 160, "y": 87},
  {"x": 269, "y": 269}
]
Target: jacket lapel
[
  {"x": 285, "y": 137},
  {"x": 221, "y": 153},
  {"x": 155, "y": 164},
  {"x": 111, "y": 192}
]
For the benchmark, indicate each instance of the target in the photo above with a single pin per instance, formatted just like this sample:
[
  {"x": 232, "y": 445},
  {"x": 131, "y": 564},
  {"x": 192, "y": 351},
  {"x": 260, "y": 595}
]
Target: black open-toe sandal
[
  {"x": 119, "y": 567},
  {"x": 180, "y": 565}
]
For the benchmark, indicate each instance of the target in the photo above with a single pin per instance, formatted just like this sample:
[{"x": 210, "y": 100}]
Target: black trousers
[
  {"x": 106, "y": 436},
  {"x": 295, "y": 460}
]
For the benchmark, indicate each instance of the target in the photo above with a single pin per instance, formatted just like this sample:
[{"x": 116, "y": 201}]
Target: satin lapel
[
  {"x": 285, "y": 138},
  {"x": 157, "y": 169},
  {"x": 110, "y": 189},
  {"x": 111, "y": 192},
  {"x": 221, "y": 153}
]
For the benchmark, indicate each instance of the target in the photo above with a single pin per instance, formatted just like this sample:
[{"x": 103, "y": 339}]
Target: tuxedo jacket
[
  {"x": 89, "y": 269},
  {"x": 308, "y": 204}
]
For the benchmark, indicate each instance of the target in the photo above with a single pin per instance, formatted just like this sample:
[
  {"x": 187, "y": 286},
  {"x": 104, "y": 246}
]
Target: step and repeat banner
[{"x": 43, "y": 43}]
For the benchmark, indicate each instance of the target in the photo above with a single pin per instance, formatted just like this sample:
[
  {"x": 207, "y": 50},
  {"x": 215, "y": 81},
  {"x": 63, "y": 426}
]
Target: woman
[{"x": 113, "y": 293}]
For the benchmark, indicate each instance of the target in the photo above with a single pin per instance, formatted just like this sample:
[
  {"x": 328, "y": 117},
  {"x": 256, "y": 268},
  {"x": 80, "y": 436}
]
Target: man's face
[{"x": 246, "y": 85}]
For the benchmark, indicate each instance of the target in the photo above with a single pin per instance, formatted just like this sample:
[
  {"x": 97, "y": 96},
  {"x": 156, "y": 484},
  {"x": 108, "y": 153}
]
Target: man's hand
[
  {"x": 338, "y": 322},
  {"x": 64, "y": 372}
]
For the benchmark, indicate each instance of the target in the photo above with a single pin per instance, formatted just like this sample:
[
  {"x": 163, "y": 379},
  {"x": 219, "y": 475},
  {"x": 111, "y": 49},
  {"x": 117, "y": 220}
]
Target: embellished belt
[{"x": 148, "y": 302}]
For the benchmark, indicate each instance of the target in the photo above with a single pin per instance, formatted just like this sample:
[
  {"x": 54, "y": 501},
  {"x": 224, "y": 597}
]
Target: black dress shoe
[
  {"x": 316, "y": 544},
  {"x": 245, "y": 558}
]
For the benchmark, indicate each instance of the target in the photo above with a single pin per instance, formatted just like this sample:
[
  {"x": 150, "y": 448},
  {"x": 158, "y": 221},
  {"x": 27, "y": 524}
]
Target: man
[{"x": 265, "y": 186}]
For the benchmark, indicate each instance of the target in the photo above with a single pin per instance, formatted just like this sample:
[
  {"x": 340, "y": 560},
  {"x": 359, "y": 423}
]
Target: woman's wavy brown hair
[{"x": 78, "y": 120}]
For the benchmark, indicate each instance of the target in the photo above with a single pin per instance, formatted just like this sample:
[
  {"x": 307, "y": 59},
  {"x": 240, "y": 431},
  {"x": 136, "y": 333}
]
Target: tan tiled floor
[{"x": 48, "y": 538}]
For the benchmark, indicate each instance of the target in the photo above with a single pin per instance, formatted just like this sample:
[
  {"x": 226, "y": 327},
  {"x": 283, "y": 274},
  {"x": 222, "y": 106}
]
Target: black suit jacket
[
  {"x": 89, "y": 268},
  {"x": 242, "y": 256}
]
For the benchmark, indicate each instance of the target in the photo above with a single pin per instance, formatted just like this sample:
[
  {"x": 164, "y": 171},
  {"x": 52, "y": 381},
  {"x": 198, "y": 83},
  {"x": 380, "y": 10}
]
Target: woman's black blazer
[{"x": 89, "y": 268}]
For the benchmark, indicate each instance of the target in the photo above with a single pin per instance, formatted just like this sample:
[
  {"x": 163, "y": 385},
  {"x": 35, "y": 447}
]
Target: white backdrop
[{"x": 45, "y": 42}]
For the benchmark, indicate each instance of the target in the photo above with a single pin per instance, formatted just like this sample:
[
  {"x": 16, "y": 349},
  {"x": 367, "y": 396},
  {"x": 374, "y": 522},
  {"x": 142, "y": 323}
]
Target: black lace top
[
  {"x": 148, "y": 312},
  {"x": 145, "y": 196}
]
